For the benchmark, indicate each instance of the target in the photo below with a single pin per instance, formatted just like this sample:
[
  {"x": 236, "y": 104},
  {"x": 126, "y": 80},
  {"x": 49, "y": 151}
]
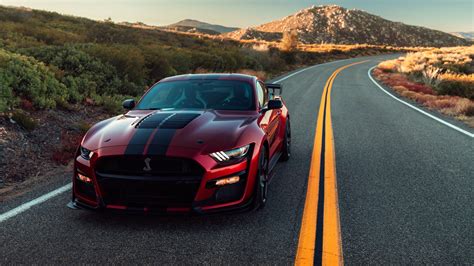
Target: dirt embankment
[{"x": 28, "y": 156}]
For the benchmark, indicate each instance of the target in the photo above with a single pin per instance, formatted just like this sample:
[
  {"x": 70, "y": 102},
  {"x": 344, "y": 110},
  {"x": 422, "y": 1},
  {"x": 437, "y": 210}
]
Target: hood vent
[
  {"x": 153, "y": 121},
  {"x": 167, "y": 120},
  {"x": 178, "y": 121}
]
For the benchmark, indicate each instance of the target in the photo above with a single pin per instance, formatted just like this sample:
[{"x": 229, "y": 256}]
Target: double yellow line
[{"x": 328, "y": 250}]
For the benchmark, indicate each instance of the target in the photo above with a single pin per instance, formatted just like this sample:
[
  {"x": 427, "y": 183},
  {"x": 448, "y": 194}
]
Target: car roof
[{"x": 212, "y": 76}]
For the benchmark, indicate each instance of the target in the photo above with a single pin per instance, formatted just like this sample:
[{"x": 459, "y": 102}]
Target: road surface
[{"x": 405, "y": 193}]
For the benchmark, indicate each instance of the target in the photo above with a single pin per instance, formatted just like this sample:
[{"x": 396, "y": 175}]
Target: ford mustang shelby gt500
[{"x": 193, "y": 143}]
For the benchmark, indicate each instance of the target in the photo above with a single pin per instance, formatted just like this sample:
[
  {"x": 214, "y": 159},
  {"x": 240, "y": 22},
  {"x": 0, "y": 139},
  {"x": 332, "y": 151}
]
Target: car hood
[{"x": 154, "y": 132}]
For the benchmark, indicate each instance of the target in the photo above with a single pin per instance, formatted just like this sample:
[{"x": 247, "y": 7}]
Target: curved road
[{"x": 405, "y": 191}]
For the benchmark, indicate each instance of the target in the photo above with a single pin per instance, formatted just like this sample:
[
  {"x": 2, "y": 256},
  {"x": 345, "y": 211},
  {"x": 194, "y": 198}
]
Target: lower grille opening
[
  {"x": 148, "y": 193},
  {"x": 171, "y": 182}
]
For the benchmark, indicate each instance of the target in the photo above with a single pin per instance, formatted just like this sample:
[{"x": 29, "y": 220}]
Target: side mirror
[
  {"x": 128, "y": 104},
  {"x": 274, "y": 104}
]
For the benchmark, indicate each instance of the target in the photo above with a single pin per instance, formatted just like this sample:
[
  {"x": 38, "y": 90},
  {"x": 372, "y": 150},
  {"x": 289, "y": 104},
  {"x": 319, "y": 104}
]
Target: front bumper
[{"x": 155, "y": 194}]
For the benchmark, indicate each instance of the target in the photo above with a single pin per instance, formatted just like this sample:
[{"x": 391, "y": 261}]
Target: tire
[
  {"x": 286, "y": 149},
  {"x": 261, "y": 184}
]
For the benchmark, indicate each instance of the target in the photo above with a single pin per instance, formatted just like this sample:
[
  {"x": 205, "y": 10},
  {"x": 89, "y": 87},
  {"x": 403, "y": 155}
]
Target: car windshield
[{"x": 199, "y": 94}]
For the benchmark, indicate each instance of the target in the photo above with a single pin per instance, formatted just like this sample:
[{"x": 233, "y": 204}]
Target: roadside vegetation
[
  {"x": 54, "y": 61},
  {"x": 61, "y": 74},
  {"x": 440, "y": 79}
]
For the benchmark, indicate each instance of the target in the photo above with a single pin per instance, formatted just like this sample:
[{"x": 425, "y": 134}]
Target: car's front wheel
[{"x": 261, "y": 185}]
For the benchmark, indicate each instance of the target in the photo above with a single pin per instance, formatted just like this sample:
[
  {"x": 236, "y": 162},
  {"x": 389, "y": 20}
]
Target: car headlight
[
  {"x": 224, "y": 156},
  {"x": 85, "y": 153}
]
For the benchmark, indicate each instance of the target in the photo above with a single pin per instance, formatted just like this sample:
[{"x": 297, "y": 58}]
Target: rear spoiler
[{"x": 273, "y": 87}]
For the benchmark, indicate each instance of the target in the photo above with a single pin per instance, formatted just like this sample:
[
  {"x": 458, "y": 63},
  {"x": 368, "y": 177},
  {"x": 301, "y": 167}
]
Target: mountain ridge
[
  {"x": 192, "y": 23},
  {"x": 338, "y": 25},
  {"x": 468, "y": 35}
]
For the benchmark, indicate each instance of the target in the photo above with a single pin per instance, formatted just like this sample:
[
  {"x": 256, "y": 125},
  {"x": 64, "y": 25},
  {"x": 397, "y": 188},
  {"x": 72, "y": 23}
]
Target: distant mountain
[
  {"x": 334, "y": 24},
  {"x": 469, "y": 35},
  {"x": 200, "y": 26},
  {"x": 191, "y": 30}
]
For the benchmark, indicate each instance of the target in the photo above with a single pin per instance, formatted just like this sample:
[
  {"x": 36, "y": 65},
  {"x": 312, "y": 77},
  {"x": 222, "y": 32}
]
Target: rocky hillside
[
  {"x": 334, "y": 24},
  {"x": 469, "y": 35},
  {"x": 199, "y": 26}
]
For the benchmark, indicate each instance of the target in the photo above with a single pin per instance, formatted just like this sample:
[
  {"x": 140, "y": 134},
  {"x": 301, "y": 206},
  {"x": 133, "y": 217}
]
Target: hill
[
  {"x": 335, "y": 24},
  {"x": 200, "y": 26},
  {"x": 175, "y": 28},
  {"x": 51, "y": 60},
  {"x": 469, "y": 35}
]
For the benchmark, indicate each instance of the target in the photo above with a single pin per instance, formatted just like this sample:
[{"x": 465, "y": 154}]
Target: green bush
[
  {"x": 82, "y": 73},
  {"x": 25, "y": 77},
  {"x": 7, "y": 99},
  {"x": 24, "y": 120},
  {"x": 111, "y": 103},
  {"x": 457, "y": 88}
]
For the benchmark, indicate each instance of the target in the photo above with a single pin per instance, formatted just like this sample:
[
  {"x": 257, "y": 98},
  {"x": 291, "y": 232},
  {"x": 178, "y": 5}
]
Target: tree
[{"x": 289, "y": 42}]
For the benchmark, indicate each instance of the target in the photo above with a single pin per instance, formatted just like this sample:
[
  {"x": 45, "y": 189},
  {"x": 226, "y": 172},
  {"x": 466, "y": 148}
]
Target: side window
[{"x": 260, "y": 95}]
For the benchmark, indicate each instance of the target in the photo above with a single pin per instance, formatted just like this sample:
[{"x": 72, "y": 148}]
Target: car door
[{"x": 270, "y": 121}]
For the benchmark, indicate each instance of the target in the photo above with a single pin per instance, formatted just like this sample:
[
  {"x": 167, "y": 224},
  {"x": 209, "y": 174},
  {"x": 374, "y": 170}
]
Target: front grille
[
  {"x": 170, "y": 182},
  {"x": 148, "y": 193},
  {"x": 148, "y": 166}
]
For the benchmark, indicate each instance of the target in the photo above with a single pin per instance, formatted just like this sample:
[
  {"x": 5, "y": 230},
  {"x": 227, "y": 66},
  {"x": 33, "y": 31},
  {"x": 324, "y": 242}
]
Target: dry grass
[
  {"x": 458, "y": 107},
  {"x": 438, "y": 78},
  {"x": 448, "y": 71},
  {"x": 389, "y": 66}
]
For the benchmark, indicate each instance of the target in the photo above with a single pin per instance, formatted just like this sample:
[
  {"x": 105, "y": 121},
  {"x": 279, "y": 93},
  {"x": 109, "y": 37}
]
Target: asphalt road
[{"x": 405, "y": 190}]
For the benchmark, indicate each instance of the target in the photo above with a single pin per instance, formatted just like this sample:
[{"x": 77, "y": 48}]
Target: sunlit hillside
[{"x": 102, "y": 61}]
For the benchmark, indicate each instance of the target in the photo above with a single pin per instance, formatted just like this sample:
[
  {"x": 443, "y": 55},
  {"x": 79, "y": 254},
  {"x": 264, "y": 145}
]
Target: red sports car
[{"x": 193, "y": 143}]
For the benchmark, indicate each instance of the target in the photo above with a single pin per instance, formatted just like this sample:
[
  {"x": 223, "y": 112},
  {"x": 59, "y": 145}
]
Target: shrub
[
  {"x": 388, "y": 66},
  {"x": 30, "y": 79},
  {"x": 80, "y": 72},
  {"x": 289, "y": 42},
  {"x": 465, "y": 107},
  {"x": 7, "y": 99},
  {"x": 24, "y": 120},
  {"x": 457, "y": 88}
]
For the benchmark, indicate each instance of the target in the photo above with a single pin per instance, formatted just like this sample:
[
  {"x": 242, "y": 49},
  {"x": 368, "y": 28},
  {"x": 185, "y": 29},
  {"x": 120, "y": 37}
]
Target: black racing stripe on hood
[
  {"x": 137, "y": 144},
  {"x": 161, "y": 141},
  {"x": 145, "y": 128},
  {"x": 165, "y": 133},
  {"x": 165, "y": 124}
]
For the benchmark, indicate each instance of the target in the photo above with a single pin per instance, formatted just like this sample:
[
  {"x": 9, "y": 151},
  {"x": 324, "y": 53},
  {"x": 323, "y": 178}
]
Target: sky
[{"x": 445, "y": 15}]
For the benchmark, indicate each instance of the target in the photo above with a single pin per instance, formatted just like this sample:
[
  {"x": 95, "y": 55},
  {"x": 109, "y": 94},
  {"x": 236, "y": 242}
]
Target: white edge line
[
  {"x": 25, "y": 206},
  {"x": 418, "y": 109}
]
